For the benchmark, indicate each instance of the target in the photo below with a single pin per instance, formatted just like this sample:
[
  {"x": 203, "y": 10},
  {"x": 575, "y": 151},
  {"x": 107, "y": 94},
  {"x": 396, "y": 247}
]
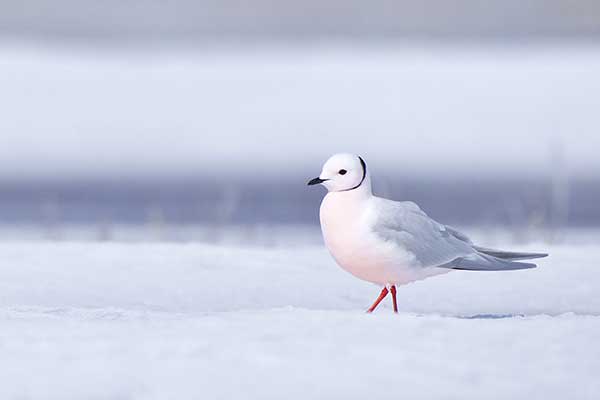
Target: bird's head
[{"x": 342, "y": 172}]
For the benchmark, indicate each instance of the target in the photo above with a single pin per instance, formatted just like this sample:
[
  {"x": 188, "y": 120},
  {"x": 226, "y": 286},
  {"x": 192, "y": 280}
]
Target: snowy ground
[
  {"x": 218, "y": 321},
  {"x": 269, "y": 319}
]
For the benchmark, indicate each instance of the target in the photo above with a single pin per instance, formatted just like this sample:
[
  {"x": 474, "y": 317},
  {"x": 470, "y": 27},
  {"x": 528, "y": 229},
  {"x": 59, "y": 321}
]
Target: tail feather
[
  {"x": 509, "y": 255},
  {"x": 484, "y": 262}
]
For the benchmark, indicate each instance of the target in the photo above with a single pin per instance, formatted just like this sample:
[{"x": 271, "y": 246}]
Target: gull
[{"x": 391, "y": 243}]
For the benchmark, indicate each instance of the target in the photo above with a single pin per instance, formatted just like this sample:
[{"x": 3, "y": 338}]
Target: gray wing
[
  {"x": 406, "y": 225},
  {"x": 436, "y": 245}
]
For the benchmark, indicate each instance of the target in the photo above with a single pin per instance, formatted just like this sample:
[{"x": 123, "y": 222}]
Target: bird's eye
[{"x": 342, "y": 172}]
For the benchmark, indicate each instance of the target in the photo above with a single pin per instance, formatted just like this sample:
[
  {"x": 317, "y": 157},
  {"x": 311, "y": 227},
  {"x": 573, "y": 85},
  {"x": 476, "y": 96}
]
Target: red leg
[
  {"x": 382, "y": 295},
  {"x": 393, "y": 290}
]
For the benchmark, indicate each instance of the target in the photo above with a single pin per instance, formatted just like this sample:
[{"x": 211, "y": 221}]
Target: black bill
[{"x": 315, "y": 181}]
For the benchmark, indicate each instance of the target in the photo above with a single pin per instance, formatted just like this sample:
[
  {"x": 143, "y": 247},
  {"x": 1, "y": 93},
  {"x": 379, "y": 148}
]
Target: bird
[{"x": 392, "y": 243}]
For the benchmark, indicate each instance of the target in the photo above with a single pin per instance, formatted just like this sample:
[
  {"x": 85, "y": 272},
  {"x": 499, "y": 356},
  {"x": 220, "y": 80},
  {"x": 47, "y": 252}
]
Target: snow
[{"x": 194, "y": 320}]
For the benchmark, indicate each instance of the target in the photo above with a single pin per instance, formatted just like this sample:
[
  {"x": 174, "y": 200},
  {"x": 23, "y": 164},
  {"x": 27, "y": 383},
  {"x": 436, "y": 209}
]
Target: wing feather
[
  {"x": 406, "y": 225},
  {"x": 437, "y": 245}
]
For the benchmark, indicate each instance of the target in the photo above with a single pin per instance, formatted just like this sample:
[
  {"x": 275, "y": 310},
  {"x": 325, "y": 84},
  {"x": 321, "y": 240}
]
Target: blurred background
[{"x": 197, "y": 120}]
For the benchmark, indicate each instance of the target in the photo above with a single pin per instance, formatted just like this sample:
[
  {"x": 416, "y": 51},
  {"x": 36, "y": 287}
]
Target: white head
[{"x": 343, "y": 172}]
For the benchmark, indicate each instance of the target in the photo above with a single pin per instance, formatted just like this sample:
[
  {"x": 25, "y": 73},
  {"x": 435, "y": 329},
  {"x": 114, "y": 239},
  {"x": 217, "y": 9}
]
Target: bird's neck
[
  {"x": 340, "y": 211},
  {"x": 359, "y": 194}
]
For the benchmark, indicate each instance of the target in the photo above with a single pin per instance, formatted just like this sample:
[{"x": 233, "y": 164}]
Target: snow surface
[{"x": 218, "y": 321}]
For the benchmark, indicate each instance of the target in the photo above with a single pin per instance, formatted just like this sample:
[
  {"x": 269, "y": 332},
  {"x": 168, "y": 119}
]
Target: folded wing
[
  {"x": 437, "y": 245},
  {"x": 509, "y": 255}
]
